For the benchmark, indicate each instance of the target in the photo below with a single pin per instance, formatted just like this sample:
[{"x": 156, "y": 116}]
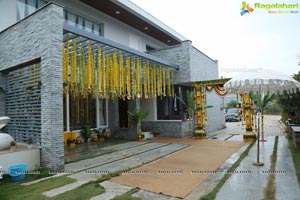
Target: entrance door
[{"x": 123, "y": 113}]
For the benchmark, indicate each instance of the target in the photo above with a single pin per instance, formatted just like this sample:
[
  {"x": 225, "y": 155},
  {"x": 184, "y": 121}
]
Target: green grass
[
  {"x": 85, "y": 191},
  {"x": 213, "y": 193},
  {"x": 269, "y": 191},
  {"x": 296, "y": 157},
  {"x": 127, "y": 195},
  {"x": 14, "y": 190}
]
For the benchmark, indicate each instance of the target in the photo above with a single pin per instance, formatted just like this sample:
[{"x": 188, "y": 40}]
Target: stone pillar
[{"x": 38, "y": 38}]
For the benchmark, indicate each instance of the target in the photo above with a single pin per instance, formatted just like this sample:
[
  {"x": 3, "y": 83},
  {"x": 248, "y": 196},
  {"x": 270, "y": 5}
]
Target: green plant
[
  {"x": 295, "y": 120},
  {"x": 13, "y": 143},
  {"x": 86, "y": 133},
  {"x": 137, "y": 115}
]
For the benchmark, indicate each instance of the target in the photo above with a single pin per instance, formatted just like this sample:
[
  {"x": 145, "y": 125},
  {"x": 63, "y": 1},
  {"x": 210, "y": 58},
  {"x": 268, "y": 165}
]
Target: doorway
[{"x": 123, "y": 113}]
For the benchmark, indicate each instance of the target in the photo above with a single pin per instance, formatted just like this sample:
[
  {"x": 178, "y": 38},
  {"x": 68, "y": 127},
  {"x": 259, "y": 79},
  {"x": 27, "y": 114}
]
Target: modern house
[{"x": 68, "y": 64}]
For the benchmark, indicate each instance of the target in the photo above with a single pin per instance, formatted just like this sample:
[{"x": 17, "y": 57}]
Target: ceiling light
[
  {"x": 169, "y": 41},
  {"x": 146, "y": 28},
  {"x": 117, "y": 12}
]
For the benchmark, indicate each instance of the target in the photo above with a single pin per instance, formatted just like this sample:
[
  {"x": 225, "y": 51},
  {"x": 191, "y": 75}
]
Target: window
[
  {"x": 80, "y": 111},
  {"x": 171, "y": 108},
  {"x": 26, "y": 7},
  {"x": 149, "y": 48},
  {"x": 83, "y": 23}
]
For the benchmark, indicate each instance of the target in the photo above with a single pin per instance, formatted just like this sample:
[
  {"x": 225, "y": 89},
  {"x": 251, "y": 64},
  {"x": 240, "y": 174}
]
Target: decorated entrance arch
[{"x": 200, "y": 90}]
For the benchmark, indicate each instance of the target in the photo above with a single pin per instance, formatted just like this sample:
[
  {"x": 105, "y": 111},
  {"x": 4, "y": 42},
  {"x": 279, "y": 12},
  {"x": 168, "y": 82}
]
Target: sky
[{"x": 255, "y": 40}]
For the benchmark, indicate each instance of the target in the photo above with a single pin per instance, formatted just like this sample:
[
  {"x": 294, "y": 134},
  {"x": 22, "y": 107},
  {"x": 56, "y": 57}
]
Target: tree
[
  {"x": 262, "y": 102},
  {"x": 290, "y": 102},
  {"x": 137, "y": 115},
  {"x": 231, "y": 104}
]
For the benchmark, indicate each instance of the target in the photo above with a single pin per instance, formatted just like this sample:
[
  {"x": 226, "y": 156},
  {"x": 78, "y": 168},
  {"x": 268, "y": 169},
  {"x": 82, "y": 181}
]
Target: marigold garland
[{"x": 112, "y": 75}]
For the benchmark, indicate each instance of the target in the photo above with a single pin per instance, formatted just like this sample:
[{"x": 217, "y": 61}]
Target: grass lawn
[
  {"x": 269, "y": 191},
  {"x": 14, "y": 190}
]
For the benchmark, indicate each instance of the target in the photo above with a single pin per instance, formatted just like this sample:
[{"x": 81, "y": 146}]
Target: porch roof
[{"x": 109, "y": 46}]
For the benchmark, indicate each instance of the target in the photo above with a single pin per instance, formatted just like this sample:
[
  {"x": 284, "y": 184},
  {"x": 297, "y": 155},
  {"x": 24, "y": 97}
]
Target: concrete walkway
[
  {"x": 117, "y": 161},
  {"x": 247, "y": 182}
]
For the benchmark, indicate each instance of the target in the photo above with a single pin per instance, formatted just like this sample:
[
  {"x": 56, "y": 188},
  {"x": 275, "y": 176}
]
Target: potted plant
[
  {"x": 137, "y": 115},
  {"x": 71, "y": 142},
  {"x": 141, "y": 137},
  {"x": 156, "y": 133},
  {"x": 78, "y": 140},
  {"x": 100, "y": 134},
  {"x": 86, "y": 133}
]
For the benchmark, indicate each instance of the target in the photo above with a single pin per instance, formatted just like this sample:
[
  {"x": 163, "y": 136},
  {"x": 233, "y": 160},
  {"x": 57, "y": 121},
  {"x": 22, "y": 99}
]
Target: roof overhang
[
  {"x": 132, "y": 15},
  {"x": 109, "y": 46}
]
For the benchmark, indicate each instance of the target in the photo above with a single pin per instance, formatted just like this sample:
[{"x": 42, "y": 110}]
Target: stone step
[
  {"x": 107, "y": 158},
  {"x": 127, "y": 163},
  {"x": 111, "y": 190}
]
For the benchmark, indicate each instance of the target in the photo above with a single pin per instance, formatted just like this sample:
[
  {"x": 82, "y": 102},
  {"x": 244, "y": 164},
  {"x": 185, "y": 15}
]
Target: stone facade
[
  {"x": 196, "y": 66},
  {"x": 38, "y": 38},
  {"x": 179, "y": 55},
  {"x": 2, "y": 94},
  {"x": 169, "y": 128}
]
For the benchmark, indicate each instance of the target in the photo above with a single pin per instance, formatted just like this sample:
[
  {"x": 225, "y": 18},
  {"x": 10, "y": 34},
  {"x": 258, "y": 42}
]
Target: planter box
[{"x": 296, "y": 136}]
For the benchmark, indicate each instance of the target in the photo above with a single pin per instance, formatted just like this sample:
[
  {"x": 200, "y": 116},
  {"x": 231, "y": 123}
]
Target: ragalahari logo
[{"x": 246, "y": 8}]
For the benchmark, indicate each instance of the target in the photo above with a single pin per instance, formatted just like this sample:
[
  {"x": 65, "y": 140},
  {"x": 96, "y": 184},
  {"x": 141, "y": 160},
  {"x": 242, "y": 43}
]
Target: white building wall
[
  {"x": 216, "y": 116},
  {"x": 113, "y": 29},
  {"x": 8, "y": 13}
]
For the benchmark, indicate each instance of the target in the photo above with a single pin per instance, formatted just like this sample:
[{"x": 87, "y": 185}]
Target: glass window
[
  {"x": 83, "y": 23},
  {"x": 83, "y": 112},
  {"x": 27, "y": 7},
  {"x": 170, "y": 108}
]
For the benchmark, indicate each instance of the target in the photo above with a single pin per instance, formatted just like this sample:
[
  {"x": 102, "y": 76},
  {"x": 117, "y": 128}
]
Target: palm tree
[
  {"x": 137, "y": 115},
  {"x": 262, "y": 103}
]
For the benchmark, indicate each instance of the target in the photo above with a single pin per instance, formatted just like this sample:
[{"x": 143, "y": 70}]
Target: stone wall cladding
[
  {"x": 39, "y": 36},
  {"x": 2, "y": 94},
  {"x": 202, "y": 67},
  {"x": 167, "y": 128},
  {"x": 178, "y": 55}
]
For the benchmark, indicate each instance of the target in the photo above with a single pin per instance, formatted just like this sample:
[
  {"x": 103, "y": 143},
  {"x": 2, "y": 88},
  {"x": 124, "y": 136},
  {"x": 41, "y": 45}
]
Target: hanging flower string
[{"x": 112, "y": 75}]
